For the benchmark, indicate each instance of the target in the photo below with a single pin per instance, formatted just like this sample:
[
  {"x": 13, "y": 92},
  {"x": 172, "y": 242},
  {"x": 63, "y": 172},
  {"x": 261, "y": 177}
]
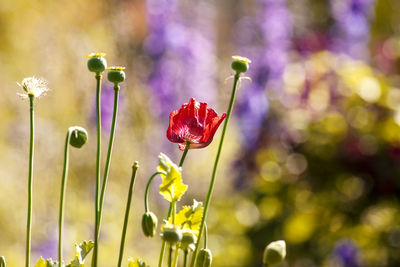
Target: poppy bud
[
  {"x": 78, "y": 137},
  {"x": 188, "y": 240},
  {"x": 172, "y": 235},
  {"x": 240, "y": 64},
  {"x": 204, "y": 258},
  {"x": 97, "y": 63},
  {"x": 3, "y": 261},
  {"x": 274, "y": 253},
  {"x": 116, "y": 75},
  {"x": 149, "y": 224}
]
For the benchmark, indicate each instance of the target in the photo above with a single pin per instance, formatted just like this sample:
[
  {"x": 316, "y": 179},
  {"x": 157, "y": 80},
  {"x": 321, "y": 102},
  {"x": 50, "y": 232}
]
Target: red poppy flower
[{"x": 195, "y": 123}]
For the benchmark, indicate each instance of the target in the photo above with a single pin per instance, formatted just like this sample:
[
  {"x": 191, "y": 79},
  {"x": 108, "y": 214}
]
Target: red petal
[{"x": 212, "y": 128}]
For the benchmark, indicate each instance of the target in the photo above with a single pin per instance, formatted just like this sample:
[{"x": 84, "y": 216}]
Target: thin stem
[
  {"x": 175, "y": 261},
  {"x": 211, "y": 188},
  {"x": 146, "y": 193},
  {"x": 62, "y": 198},
  {"x": 161, "y": 257},
  {"x": 170, "y": 256},
  {"x": 98, "y": 166},
  {"x": 30, "y": 182},
  {"x": 205, "y": 235},
  {"x": 185, "y": 258},
  {"x": 184, "y": 154},
  {"x": 173, "y": 211},
  {"x": 108, "y": 160},
  {"x": 128, "y": 205}
]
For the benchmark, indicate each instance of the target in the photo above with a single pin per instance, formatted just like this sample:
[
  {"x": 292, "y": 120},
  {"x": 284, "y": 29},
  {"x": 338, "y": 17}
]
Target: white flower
[{"x": 33, "y": 86}]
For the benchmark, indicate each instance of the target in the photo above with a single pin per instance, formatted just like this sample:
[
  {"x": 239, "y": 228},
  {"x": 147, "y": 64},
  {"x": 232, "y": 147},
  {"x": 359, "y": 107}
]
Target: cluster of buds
[{"x": 97, "y": 64}]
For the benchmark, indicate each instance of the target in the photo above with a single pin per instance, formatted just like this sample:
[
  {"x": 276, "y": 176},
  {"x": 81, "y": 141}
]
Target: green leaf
[
  {"x": 81, "y": 251},
  {"x": 189, "y": 217},
  {"x": 172, "y": 187},
  {"x": 136, "y": 263}
]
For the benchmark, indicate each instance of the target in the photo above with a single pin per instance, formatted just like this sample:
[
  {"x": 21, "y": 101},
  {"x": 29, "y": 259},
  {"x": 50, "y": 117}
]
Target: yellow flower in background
[{"x": 33, "y": 86}]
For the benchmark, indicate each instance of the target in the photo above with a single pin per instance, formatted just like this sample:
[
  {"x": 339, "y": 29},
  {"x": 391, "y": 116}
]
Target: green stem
[
  {"x": 62, "y": 198},
  {"x": 128, "y": 205},
  {"x": 211, "y": 188},
  {"x": 98, "y": 166},
  {"x": 170, "y": 256},
  {"x": 146, "y": 193},
  {"x": 30, "y": 183},
  {"x": 185, "y": 258},
  {"x": 205, "y": 235},
  {"x": 184, "y": 154},
  {"x": 175, "y": 261},
  {"x": 161, "y": 257},
  {"x": 107, "y": 165},
  {"x": 173, "y": 211}
]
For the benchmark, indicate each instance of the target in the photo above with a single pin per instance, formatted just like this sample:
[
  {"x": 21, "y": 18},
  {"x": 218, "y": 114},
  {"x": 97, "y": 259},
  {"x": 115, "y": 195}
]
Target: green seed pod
[
  {"x": 79, "y": 136},
  {"x": 97, "y": 63},
  {"x": 149, "y": 224},
  {"x": 188, "y": 240},
  {"x": 274, "y": 253},
  {"x": 116, "y": 75},
  {"x": 240, "y": 64},
  {"x": 172, "y": 235},
  {"x": 204, "y": 258},
  {"x": 3, "y": 262}
]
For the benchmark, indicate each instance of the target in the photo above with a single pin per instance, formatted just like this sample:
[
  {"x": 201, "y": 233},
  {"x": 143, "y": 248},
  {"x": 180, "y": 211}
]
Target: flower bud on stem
[
  {"x": 106, "y": 169},
  {"x": 98, "y": 166},
  {"x": 76, "y": 137},
  {"x": 221, "y": 142}
]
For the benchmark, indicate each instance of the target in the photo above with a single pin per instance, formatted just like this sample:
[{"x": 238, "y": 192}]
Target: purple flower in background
[
  {"x": 351, "y": 28},
  {"x": 107, "y": 106},
  {"x": 48, "y": 248},
  {"x": 346, "y": 252},
  {"x": 266, "y": 40},
  {"x": 181, "y": 43}
]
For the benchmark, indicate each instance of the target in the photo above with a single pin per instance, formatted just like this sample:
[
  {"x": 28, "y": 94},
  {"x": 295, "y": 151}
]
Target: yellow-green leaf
[
  {"x": 136, "y": 263},
  {"x": 46, "y": 263},
  {"x": 172, "y": 187},
  {"x": 189, "y": 217},
  {"x": 81, "y": 251},
  {"x": 41, "y": 263}
]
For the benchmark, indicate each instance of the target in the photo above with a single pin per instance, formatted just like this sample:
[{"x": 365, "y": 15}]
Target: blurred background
[{"x": 312, "y": 153}]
